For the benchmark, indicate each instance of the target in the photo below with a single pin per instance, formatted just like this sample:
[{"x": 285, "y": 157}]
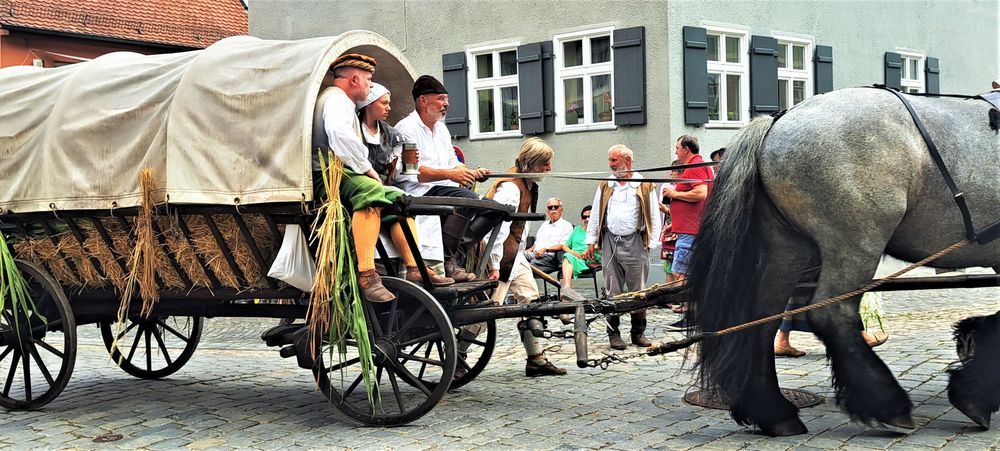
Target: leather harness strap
[{"x": 983, "y": 236}]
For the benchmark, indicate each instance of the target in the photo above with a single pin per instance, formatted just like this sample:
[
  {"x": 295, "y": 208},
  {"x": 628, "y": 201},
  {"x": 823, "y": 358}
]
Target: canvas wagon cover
[{"x": 230, "y": 124}]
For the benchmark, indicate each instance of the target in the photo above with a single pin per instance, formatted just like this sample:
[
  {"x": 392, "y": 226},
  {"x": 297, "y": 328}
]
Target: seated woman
[{"x": 573, "y": 262}]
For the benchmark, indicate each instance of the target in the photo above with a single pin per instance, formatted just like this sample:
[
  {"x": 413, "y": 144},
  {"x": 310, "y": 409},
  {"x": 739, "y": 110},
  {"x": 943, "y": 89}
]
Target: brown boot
[
  {"x": 457, "y": 272},
  {"x": 638, "y": 329},
  {"x": 372, "y": 288},
  {"x": 413, "y": 275},
  {"x": 641, "y": 341}
]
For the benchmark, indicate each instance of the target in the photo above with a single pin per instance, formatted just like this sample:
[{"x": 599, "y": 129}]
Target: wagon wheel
[
  {"x": 474, "y": 351},
  {"x": 36, "y": 357},
  {"x": 157, "y": 346},
  {"x": 414, "y": 350}
]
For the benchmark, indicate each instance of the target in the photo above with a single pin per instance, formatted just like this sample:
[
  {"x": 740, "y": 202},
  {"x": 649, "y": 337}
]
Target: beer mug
[{"x": 410, "y": 159}]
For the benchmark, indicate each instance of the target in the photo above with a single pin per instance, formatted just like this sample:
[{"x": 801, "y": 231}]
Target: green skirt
[{"x": 358, "y": 191}]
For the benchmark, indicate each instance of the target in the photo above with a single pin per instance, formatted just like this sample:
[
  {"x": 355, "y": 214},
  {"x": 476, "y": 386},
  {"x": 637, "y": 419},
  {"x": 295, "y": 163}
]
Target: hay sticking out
[{"x": 141, "y": 265}]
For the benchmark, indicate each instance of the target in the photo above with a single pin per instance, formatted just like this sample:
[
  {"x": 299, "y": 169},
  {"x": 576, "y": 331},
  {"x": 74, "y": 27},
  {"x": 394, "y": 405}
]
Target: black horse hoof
[
  {"x": 978, "y": 414},
  {"x": 785, "y": 428},
  {"x": 902, "y": 422}
]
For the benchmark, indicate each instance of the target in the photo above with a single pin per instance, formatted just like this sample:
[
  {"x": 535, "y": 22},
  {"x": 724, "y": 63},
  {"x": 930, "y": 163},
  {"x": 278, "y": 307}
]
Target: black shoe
[
  {"x": 641, "y": 341},
  {"x": 616, "y": 341},
  {"x": 679, "y": 326},
  {"x": 532, "y": 369}
]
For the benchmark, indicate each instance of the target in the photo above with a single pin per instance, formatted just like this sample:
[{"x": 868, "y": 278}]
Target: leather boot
[
  {"x": 534, "y": 369},
  {"x": 614, "y": 336},
  {"x": 457, "y": 272},
  {"x": 372, "y": 288},
  {"x": 453, "y": 228},
  {"x": 638, "y": 329},
  {"x": 413, "y": 275}
]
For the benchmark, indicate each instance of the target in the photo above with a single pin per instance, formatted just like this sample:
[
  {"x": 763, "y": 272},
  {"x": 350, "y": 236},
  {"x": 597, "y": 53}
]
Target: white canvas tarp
[{"x": 230, "y": 124}]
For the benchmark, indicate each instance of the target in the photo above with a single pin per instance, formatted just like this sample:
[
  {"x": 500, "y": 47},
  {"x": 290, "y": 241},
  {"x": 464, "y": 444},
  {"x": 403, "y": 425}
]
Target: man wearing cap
[
  {"x": 361, "y": 189},
  {"x": 441, "y": 174}
]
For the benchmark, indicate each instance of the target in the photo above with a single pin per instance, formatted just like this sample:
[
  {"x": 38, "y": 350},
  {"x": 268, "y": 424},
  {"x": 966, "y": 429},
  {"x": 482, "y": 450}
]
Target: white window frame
[
  {"x": 723, "y": 68},
  {"x": 496, "y": 83},
  {"x": 917, "y": 84},
  {"x": 584, "y": 71},
  {"x": 792, "y": 75}
]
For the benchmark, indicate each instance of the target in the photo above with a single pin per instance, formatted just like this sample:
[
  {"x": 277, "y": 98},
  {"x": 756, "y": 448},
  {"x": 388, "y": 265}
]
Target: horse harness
[{"x": 992, "y": 231}]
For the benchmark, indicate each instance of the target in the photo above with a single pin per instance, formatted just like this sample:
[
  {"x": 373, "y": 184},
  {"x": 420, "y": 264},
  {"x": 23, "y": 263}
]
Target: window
[
  {"x": 728, "y": 82},
  {"x": 912, "y": 73},
  {"x": 583, "y": 80},
  {"x": 494, "y": 105},
  {"x": 795, "y": 82}
]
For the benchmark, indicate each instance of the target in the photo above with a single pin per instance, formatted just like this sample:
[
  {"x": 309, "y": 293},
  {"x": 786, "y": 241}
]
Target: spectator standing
[
  {"x": 508, "y": 263},
  {"x": 668, "y": 239},
  {"x": 546, "y": 253},
  {"x": 625, "y": 227}
]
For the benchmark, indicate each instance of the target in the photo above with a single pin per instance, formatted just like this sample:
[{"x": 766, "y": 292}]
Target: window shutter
[
  {"x": 932, "y": 75},
  {"x": 823, "y": 69},
  {"x": 893, "y": 70},
  {"x": 630, "y": 76},
  {"x": 534, "y": 92},
  {"x": 695, "y": 76},
  {"x": 763, "y": 75},
  {"x": 455, "y": 81}
]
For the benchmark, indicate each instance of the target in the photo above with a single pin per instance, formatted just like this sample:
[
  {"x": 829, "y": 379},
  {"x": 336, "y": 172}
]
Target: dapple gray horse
[{"x": 841, "y": 178}]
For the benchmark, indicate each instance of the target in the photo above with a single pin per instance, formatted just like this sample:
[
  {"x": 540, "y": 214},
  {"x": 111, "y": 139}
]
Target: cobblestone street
[{"x": 235, "y": 393}]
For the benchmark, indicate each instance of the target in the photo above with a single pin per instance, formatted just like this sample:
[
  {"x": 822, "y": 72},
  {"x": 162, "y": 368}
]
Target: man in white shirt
[
  {"x": 441, "y": 174},
  {"x": 625, "y": 226},
  {"x": 546, "y": 252}
]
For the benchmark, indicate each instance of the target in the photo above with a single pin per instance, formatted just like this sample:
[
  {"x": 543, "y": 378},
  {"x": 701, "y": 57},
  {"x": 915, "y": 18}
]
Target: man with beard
[
  {"x": 624, "y": 226},
  {"x": 441, "y": 174}
]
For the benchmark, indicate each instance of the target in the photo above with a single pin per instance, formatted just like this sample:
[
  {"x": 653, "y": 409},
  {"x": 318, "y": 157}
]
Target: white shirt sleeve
[
  {"x": 595, "y": 218},
  {"x": 341, "y": 125},
  {"x": 565, "y": 231},
  {"x": 507, "y": 194},
  {"x": 654, "y": 213}
]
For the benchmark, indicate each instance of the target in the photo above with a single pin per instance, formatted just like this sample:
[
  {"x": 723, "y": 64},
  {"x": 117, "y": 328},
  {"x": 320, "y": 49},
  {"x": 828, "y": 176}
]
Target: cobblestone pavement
[{"x": 236, "y": 393}]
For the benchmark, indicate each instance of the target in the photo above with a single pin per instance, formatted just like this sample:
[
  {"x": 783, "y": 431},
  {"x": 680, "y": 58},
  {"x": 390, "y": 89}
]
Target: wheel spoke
[
  {"x": 423, "y": 365},
  {"x": 410, "y": 378},
  {"x": 45, "y": 327},
  {"x": 376, "y": 327},
  {"x": 343, "y": 364},
  {"x": 426, "y": 361},
  {"x": 470, "y": 340},
  {"x": 6, "y": 353},
  {"x": 420, "y": 311},
  {"x": 395, "y": 388},
  {"x": 41, "y": 365},
  {"x": 149, "y": 350},
  {"x": 135, "y": 343},
  {"x": 176, "y": 334},
  {"x": 392, "y": 317},
  {"x": 126, "y": 331},
  {"x": 463, "y": 363},
  {"x": 163, "y": 347},
  {"x": 352, "y": 387},
  {"x": 10, "y": 374},
  {"x": 424, "y": 338},
  {"x": 27, "y": 377},
  {"x": 48, "y": 347}
]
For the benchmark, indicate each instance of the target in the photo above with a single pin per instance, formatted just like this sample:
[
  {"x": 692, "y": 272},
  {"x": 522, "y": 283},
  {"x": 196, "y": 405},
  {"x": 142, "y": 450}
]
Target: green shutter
[
  {"x": 893, "y": 70},
  {"x": 629, "y": 45},
  {"x": 454, "y": 79},
  {"x": 763, "y": 75},
  {"x": 695, "y": 76},
  {"x": 823, "y": 69},
  {"x": 534, "y": 79},
  {"x": 932, "y": 74}
]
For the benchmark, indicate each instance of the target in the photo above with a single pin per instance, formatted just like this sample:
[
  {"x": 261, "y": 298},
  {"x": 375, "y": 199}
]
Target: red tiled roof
[{"x": 187, "y": 23}]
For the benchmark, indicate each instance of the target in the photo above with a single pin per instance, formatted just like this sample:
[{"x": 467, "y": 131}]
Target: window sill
[
  {"x": 586, "y": 127},
  {"x": 725, "y": 125},
  {"x": 501, "y": 135}
]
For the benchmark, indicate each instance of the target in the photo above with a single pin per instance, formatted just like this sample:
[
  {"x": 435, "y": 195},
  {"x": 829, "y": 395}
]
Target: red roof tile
[{"x": 188, "y": 23}]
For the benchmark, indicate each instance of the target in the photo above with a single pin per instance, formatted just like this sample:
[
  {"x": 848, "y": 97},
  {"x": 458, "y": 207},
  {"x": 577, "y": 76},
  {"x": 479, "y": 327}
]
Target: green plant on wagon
[
  {"x": 14, "y": 287},
  {"x": 335, "y": 304}
]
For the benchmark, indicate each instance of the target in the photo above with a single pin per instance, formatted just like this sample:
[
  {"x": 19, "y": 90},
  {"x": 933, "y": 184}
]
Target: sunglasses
[
  {"x": 553, "y": 207},
  {"x": 586, "y": 217}
]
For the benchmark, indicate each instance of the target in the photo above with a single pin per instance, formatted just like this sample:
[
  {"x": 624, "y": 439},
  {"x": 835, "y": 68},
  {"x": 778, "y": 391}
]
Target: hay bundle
[{"x": 41, "y": 251}]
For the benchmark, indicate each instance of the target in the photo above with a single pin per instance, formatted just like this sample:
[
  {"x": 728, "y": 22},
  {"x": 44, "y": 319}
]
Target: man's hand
[
  {"x": 494, "y": 274},
  {"x": 589, "y": 253},
  {"x": 371, "y": 173},
  {"x": 540, "y": 252},
  {"x": 463, "y": 175},
  {"x": 669, "y": 192},
  {"x": 481, "y": 174}
]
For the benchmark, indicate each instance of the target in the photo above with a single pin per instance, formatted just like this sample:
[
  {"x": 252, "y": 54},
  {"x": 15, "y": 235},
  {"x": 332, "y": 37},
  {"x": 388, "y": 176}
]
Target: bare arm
[{"x": 696, "y": 194}]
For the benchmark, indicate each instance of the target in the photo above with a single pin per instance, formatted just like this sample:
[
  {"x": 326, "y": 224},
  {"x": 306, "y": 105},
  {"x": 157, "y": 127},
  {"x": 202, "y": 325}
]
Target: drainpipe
[{"x": 2, "y": 34}]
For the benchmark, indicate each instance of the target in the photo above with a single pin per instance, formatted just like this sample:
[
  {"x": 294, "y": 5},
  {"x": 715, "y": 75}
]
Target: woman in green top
[{"x": 573, "y": 263}]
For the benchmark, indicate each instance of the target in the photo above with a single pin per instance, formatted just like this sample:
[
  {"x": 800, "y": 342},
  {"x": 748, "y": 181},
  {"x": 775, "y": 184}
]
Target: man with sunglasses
[{"x": 546, "y": 252}]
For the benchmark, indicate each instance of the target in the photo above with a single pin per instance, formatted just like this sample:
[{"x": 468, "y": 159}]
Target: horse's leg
[
  {"x": 786, "y": 256},
  {"x": 974, "y": 387},
  {"x": 866, "y": 389}
]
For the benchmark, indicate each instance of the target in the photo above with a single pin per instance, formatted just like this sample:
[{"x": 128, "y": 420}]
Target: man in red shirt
[{"x": 687, "y": 203}]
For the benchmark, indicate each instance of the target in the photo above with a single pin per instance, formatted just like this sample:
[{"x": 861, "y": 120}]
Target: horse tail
[{"x": 722, "y": 284}]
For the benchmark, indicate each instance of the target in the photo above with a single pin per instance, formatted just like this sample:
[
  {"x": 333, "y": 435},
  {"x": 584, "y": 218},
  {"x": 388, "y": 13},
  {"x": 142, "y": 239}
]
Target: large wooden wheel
[
  {"x": 474, "y": 351},
  {"x": 157, "y": 346},
  {"x": 38, "y": 344},
  {"x": 415, "y": 356}
]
